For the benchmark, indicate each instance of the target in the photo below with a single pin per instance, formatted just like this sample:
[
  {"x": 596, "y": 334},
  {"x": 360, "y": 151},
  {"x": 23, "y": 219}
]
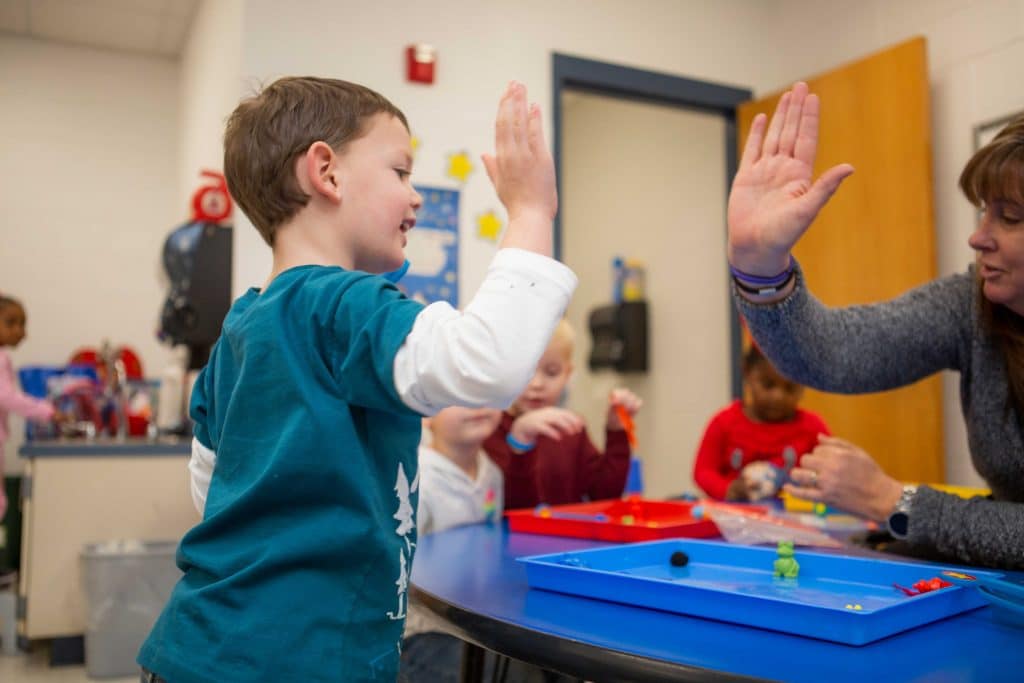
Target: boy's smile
[{"x": 378, "y": 198}]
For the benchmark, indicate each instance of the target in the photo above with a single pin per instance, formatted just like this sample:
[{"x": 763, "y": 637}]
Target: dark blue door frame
[{"x": 602, "y": 78}]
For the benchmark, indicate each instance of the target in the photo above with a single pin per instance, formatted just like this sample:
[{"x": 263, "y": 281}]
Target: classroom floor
[{"x": 34, "y": 667}]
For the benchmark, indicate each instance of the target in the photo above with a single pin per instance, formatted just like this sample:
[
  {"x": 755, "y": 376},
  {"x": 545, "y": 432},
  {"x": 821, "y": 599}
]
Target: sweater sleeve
[
  {"x": 15, "y": 401},
  {"x": 707, "y": 465},
  {"x": 865, "y": 348},
  {"x": 606, "y": 472},
  {"x": 976, "y": 530}
]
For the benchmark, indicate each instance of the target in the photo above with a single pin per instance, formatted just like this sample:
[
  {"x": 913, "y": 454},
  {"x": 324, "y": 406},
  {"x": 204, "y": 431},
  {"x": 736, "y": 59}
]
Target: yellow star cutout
[
  {"x": 459, "y": 166},
  {"x": 488, "y": 226}
]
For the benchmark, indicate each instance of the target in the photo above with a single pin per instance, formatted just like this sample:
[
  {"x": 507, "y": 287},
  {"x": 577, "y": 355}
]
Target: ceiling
[{"x": 151, "y": 27}]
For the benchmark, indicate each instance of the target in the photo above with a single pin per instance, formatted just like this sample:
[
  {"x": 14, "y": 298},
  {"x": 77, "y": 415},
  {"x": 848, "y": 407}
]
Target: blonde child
[
  {"x": 307, "y": 416},
  {"x": 544, "y": 451},
  {"x": 458, "y": 485},
  {"x": 12, "y": 400},
  {"x": 750, "y": 446}
]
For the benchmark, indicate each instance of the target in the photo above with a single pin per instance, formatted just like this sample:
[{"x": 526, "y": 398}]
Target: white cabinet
[{"x": 88, "y": 493}]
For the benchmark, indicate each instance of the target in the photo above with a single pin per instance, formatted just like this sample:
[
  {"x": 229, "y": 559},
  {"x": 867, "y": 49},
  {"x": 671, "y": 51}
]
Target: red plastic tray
[{"x": 629, "y": 520}]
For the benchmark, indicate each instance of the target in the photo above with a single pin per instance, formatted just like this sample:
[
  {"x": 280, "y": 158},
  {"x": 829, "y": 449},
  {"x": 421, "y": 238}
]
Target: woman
[{"x": 970, "y": 322}]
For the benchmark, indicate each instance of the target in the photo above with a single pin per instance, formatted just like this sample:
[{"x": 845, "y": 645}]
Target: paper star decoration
[
  {"x": 488, "y": 226},
  {"x": 460, "y": 166}
]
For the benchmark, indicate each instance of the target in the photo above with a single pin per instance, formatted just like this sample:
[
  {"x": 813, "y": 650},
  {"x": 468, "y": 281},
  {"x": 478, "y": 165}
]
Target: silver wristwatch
[{"x": 899, "y": 518}]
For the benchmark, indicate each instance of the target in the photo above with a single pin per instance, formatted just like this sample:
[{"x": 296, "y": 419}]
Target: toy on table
[
  {"x": 629, "y": 520},
  {"x": 736, "y": 584},
  {"x": 932, "y": 584},
  {"x": 543, "y": 510},
  {"x": 785, "y": 565},
  {"x": 679, "y": 559},
  {"x": 1005, "y": 596},
  {"x": 627, "y": 424},
  {"x": 751, "y": 525},
  {"x": 763, "y": 480}
]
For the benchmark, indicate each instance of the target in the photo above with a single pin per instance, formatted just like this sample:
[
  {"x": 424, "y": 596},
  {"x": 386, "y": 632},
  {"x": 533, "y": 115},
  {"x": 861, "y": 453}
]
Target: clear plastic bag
[{"x": 750, "y": 526}]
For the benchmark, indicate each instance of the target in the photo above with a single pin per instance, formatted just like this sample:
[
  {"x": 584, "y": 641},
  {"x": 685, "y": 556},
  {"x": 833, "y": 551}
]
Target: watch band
[{"x": 899, "y": 519}]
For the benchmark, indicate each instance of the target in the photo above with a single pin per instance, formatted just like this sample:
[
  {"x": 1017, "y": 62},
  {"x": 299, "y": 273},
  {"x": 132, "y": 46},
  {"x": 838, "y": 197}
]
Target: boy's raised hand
[
  {"x": 773, "y": 201},
  {"x": 551, "y": 422},
  {"x": 628, "y": 400},
  {"x": 523, "y": 172}
]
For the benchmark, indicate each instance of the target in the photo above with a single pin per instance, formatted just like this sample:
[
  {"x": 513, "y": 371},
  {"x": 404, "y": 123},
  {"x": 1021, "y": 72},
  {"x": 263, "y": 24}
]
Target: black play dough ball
[{"x": 679, "y": 559}]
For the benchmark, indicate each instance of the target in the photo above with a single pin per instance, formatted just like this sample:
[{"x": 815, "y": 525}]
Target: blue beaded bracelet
[
  {"x": 518, "y": 445},
  {"x": 759, "y": 281}
]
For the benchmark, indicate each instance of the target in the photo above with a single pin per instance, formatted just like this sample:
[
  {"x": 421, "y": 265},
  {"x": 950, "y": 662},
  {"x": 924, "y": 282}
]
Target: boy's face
[
  {"x": 772, "y": 397},
  {"x": 12, "y": 325},
  {"x": 460, "y": 426},
  {"x": 378, "y": 201},
  {"x": 549, "y": 379}
]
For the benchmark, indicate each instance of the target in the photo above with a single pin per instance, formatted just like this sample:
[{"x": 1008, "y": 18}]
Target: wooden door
[{"x": 876, "y": 238}]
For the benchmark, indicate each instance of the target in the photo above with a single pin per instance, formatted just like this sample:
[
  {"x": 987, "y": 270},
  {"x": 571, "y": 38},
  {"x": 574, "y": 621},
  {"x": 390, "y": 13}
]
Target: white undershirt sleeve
[
  {"x": 486, "y": 354},
  {"x": 200, "y": 468}
]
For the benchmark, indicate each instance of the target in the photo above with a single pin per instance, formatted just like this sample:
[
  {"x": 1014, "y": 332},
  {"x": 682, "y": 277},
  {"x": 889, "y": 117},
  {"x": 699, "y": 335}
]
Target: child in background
[
  {"x": 750, "y": 446},
  {"x": 12, "y": 400},
  {"x": 544, "y": 451},
  {"x": 458, "y": 485},
  {"x": 307, "y": 416}
]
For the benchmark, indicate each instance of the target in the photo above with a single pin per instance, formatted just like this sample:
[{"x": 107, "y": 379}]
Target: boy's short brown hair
[{"x": 268, "y": 132}]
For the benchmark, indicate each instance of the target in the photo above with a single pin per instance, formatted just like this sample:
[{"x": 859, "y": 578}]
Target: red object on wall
[
  {"x": 420, "y": 61},
  {"x": 211, "y": 203}
]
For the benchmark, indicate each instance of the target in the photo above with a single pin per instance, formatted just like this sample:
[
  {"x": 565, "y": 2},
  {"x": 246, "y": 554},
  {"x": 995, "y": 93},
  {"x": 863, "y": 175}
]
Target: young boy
[
  {"x": 307, "y": 417},
  {"x": 751, "y": 445},
  {"x": 544, "y": 451},
  {"x": 458, "y": 485}
]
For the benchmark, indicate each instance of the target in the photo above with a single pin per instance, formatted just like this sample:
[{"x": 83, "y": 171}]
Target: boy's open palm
[
  {"x": 551, "y": 422},
  {"x": 773, "y": 201},
  {"x": 522, "y": 170}
]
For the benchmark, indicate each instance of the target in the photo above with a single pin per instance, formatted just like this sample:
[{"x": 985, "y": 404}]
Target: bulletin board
[{"x": 433, "y": 248}]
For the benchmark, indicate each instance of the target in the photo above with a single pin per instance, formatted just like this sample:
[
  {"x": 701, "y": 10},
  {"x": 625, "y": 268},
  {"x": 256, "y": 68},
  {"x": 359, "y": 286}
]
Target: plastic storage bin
[{"x": 126, "y": 583}]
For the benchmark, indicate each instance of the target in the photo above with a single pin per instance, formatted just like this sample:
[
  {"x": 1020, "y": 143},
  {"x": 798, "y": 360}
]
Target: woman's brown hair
[{"x": 996, "y": 173}]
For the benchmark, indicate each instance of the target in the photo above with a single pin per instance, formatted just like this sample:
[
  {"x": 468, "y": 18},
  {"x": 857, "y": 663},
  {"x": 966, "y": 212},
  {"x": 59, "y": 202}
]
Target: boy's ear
[{"x": 318, "y": 172}]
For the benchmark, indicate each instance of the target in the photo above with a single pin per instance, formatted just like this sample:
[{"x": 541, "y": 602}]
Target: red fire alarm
[{"x": 420, "y": 60}]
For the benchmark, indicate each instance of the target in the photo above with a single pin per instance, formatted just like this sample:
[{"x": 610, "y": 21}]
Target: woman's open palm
[{"x": 773, "y": 201}]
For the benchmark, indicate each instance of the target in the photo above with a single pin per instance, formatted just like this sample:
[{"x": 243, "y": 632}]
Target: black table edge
[{"x": 590, "y": 662}]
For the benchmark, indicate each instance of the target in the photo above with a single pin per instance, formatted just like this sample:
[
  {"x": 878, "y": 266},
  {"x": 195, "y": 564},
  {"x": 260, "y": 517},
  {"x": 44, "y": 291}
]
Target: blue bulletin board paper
[{"x": 433, "y": 248}]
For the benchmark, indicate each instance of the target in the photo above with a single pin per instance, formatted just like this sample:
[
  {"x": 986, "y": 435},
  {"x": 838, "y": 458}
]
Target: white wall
[
  {"x": 87, "y": 161},
  {"x": 653, "y": 189},
  {"x": 211, "y": 85},
  {"x": 975, "y": 55},
  {"x": 482, "y": 45}
]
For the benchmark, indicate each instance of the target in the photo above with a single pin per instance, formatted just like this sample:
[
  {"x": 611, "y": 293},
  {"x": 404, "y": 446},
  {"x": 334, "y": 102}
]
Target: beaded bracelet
[
  {"x": 518, "y": 445},
  {"x": 763, "y": 290},
  {"x": 758, "y": 281}
]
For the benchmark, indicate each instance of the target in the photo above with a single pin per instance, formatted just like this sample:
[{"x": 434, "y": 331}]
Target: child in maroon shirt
[
  {"x": 544, "y": 451},
  {"x": 765, "y": 428}
]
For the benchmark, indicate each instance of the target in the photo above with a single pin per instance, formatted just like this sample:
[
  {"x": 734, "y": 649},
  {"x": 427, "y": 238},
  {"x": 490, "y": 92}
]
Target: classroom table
[{"x": 469, "y": 576}]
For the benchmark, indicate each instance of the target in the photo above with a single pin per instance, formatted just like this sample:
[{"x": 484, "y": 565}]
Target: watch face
[{"x": 898, "y": 523}]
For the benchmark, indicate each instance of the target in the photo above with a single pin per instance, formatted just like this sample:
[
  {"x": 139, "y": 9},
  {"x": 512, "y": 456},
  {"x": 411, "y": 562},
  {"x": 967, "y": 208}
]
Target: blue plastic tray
[{"x": 735, "y": 584}]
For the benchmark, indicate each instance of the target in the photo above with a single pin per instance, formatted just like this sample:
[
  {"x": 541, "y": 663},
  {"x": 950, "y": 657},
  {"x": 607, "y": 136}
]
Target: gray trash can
[{"x": 127, "y": 584}]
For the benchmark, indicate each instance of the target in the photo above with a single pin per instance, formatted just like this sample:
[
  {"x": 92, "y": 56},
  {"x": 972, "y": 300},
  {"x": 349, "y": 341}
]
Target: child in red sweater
[
  {"x": 544, "y": 451},
  {"x": 750, "y": 446}
]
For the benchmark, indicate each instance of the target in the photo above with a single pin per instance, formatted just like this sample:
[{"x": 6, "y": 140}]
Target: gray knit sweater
[{"x": 882, "y": 346}]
